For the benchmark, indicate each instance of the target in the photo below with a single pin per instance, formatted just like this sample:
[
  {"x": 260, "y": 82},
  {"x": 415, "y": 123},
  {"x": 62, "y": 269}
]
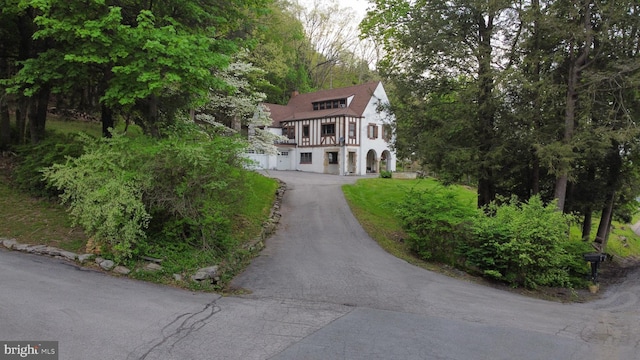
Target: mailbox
[{"x": 595, "y": 259}]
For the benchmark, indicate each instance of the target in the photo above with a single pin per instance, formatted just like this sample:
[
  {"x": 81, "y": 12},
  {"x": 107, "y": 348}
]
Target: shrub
[
  {"x": 183, "y": 188},
  {"x": 437, "y": 222},
  {"x": 32, "y": 159},
  {"x": 385, "y": 174},
  {"x": 521, "y": 244},
  {"x": 196, "y": 186},
  {"x": 104, "y": 193}
]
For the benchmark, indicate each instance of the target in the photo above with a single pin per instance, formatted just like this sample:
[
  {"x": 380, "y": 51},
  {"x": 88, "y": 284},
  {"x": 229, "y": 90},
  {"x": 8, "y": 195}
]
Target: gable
[{"x": 349, "y": 101}]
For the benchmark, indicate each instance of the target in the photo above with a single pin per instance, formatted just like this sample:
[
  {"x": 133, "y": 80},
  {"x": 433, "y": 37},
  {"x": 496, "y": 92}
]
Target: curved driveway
[
  {"x": 321, "y": 289},
  {"x": 320, "y": 253}
]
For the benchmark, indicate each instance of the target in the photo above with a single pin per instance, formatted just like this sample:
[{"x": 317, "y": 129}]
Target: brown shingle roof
[{"x": 300, "y": 106}]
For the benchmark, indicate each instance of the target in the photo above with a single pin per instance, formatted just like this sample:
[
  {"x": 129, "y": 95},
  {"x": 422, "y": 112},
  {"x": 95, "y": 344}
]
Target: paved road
[{"x": 321, "y": 289}]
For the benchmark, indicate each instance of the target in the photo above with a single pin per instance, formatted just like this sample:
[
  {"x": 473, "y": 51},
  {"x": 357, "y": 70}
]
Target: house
[{"x": 339, "y": 131}]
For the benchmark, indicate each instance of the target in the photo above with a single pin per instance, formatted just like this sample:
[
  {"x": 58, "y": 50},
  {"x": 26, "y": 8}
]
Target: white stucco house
[{"x": 339, "y": 131}]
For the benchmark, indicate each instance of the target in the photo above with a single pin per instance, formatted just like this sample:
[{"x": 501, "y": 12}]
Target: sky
[{"x": 360, "y": 6}]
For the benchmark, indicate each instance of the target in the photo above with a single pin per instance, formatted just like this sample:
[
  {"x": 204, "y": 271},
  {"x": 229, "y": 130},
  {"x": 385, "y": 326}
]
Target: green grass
[
  {"x": 37, "y": 221},
  {"x": 60, "y": 124},
  {"x": 40, "y": 221},
  {"x": 63, "y": 125},
  {"x": 256, "y": 206},
  {"x": 623, "y": 242},
  {"x": 373, "y": 202}
]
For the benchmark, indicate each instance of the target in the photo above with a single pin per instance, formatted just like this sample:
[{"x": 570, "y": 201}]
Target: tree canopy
[{"x": 524, "y": 97}]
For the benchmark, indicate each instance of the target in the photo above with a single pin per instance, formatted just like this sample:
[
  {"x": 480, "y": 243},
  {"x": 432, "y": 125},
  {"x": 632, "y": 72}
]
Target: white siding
[{"x": 318, "y": 145}]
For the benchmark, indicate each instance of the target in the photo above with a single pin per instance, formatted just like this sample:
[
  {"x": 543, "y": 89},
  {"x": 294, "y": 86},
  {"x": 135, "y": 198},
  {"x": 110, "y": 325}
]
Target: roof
[{"x": 300, "y": 107}]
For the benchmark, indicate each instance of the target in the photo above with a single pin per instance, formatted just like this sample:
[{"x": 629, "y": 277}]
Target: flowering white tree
[{"x": 239, "y": 107}]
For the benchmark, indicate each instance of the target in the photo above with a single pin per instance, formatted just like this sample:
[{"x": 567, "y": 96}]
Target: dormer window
[{"x": 330, "y": 104}]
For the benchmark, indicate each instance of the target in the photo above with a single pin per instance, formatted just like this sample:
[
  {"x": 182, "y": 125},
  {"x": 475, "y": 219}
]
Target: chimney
[{"x": 294, "y": 93}]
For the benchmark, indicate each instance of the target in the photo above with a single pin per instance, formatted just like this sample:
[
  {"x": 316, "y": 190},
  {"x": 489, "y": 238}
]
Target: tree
[
  {"x": 151, "y": 60},
  {"x": 239, "y": 109},
  {"x": 280, "y": 44},
  {"x": 431, "y": 41},
  {"x": 331, "y": 54}
]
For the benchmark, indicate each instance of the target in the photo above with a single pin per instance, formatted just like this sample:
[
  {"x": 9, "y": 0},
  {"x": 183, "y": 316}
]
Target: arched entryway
[
  {"x": 385, "y": 159},
  {"x": 372, "y": 162}
]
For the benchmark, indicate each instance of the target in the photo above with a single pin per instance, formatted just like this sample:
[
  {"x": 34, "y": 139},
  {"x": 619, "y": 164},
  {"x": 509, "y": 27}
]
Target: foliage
[
  {"x": 525, "y": 98},
  {"x": 149, "y": 62},
  {"x": 280, "y": 50},
  {"x": 196, "y": 186},
  {"x": 385, "y": 174},
  {"x": 104, "y": 195},
  {"x": 436, "y": 221},
  {"x": 521, "y": 244},
  {"x": 334, "y": 55},
  {"x": 55, "y": 149},
  {"x": 239, "y": 106},
  {"x": 41, "y": 221},
  {"x": 184, "y": 188}
]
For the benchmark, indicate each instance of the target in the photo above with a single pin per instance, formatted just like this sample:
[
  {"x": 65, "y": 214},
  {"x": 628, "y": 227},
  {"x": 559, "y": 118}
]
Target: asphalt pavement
[{"x": 321, "y": 289}]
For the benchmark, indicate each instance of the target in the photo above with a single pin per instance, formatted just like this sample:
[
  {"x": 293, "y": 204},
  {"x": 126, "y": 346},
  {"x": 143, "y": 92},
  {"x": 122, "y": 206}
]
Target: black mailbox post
[{"x": 595, "y": 259}]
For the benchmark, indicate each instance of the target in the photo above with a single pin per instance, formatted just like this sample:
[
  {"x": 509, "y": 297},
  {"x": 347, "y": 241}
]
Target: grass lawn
[
  {"x": 36, "y": 221},
  {"x": 373, "y": 202}
]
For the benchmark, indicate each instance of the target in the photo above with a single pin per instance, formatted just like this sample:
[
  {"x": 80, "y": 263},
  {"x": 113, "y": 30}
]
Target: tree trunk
[
  {"x": 21, "y": 119},
  {"x": 587, "y": 224},
  {"x": 535, "y": 175},
  {"x": 615, "y": 165},
  {"x": 106, "y": 117},
  {"x": 605, "y": 223},
  {"x": 38, "y": 115},
  {"x": 486, "y": 113},
  {"x": 575, "y": 68},
  {"x": 106, "y": 112},
  {"x": 26, "y": 28},
  {"x": 535, "y": 164},
  {"x": 5, "y": 118},
  {"x": 152, "y": 117},
  {"x": 560, "y": 192},
  {"x": 5, "y": 123}
]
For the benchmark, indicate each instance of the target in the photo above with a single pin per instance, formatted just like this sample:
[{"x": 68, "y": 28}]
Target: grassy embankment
[
  {"x": 373, "y": 202},
  {"x": 40, "y": 221}
]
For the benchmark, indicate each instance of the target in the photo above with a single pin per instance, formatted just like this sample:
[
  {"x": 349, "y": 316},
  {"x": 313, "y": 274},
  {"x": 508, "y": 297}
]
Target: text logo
[{"x": 36, "y": 350}]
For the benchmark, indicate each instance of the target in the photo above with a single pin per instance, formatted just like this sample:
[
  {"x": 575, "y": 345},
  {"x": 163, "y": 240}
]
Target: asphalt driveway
[
  {"x": 321, "y": 253},
  {"x": 321, "y": 289}
]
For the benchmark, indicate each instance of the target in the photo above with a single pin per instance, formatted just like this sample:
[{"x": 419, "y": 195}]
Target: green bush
[
  {"x": 385, "y": 174},
  {"x": 32, "y": 159},
  {"x": 437, "y": 223},
  {"x": 521, "y": 244},
  {"x": 103, "y": 189},
  {"x": 129, "y": 193}
]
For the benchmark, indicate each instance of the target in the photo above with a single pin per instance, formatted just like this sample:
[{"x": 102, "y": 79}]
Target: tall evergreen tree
[{"x": 429, "y": 42}]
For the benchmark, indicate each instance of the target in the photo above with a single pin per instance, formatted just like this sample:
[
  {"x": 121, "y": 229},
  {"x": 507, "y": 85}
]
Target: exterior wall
[
  {"x": 377, "y": 145},
  {"x": 356, "y": 152},
  {"x": 316, "y": 138}
]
